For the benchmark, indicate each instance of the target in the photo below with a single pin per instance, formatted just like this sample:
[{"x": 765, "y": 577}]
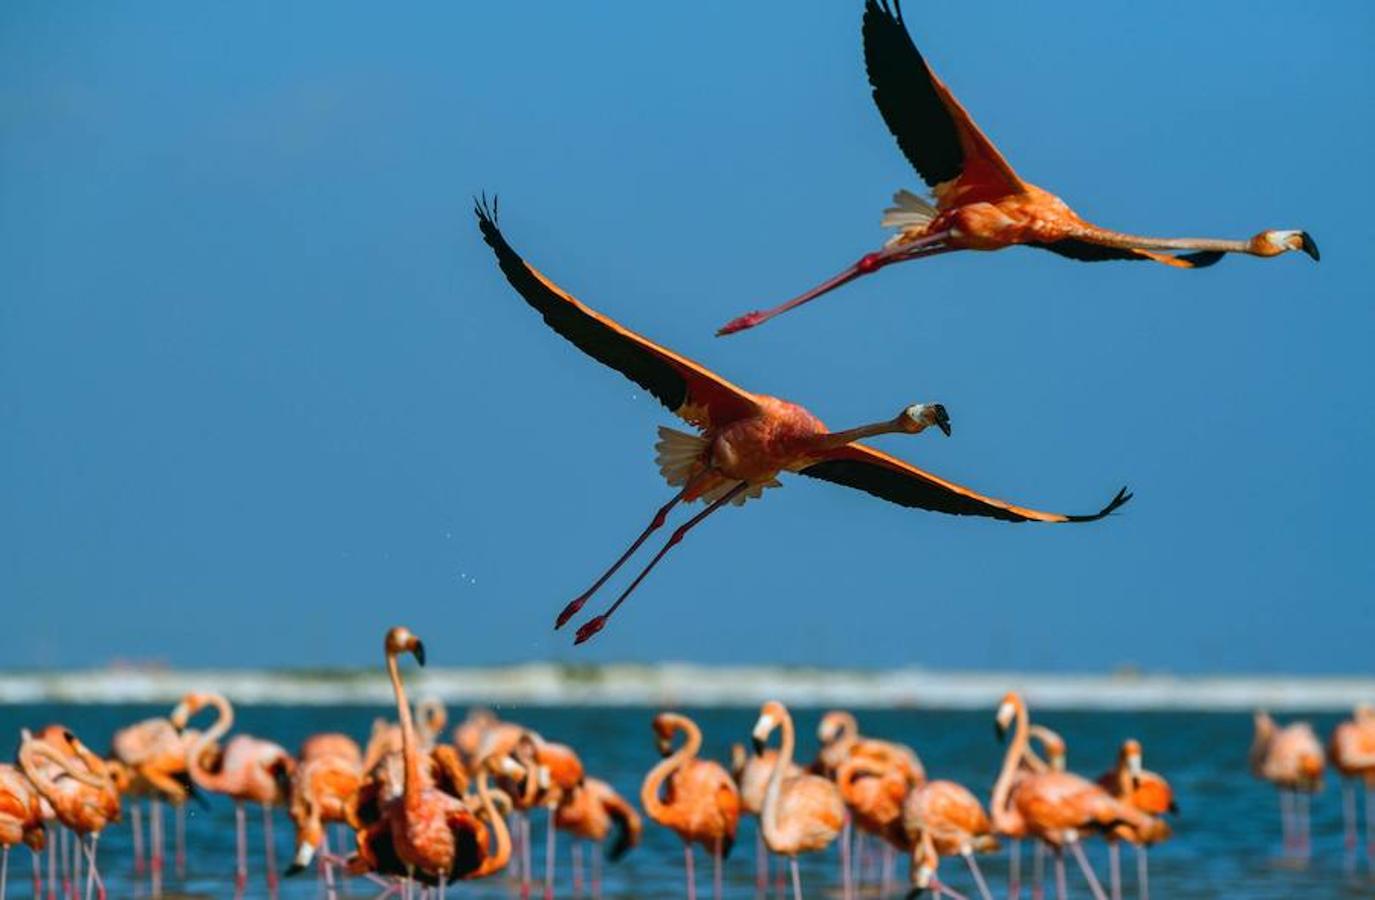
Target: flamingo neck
[
  {"x": 411, "y": 778},
  {"x": 837, "y": 439},
  {"x": 1002, "y": 788},
  {"x": 1139, "y": 242},
  {"x": 496, "y": 822},
  {"x": 224, "y": 720},
  {"x": 31, "y": 749},
  {"x": 655, "y": 808},
  {"x": 768, "y": 814}
]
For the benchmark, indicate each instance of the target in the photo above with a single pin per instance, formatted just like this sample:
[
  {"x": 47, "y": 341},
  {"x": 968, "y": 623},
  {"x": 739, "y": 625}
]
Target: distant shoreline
[{"x": 681, "y": 684}]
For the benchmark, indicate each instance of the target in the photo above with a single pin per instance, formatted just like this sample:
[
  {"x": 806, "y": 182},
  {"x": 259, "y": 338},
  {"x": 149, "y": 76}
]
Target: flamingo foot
[
  {"x": 590, "y": 628},
  {"x": 570, "y": 611}
]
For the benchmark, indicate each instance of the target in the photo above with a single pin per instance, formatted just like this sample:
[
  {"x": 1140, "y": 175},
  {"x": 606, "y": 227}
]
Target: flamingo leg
[
  {"x": 596, "y": 873},
  {"x": 716, "y": 870},
  {"x": 691, "y": 877},
  {"x": 52, "y": 865},
  {"x": 93, "y": 879},
  {"x": 4, "y": 869},
  {"x": 180, "y": 814},
  {"x": 1014, "y": 869},
  {"x": 1087, "y": 869},
  {"x": 1369, "y": 824},
  {"x": 940, "y": 888},
  {"x": 77, "y": 862},
  {"x": 888, "y": 863},
  {"x": 241, "y": 844},
  {"x": 326, "y": 865},
  {"x": 155, "y": 840},
  {"x": 525, "y": 864},
  {"x": 1285, "y": 816},
  {"x": 1061, "y": 889},
  {"x": 37, "y": 874},
  {"x": 1301, "y": 823},
  {"x": 1350, "y": 838},
  {"x": 978, "y": 875},
  {"x": 761, "y": 863},
  {"x": 797, "y": 878},
  {"x": 597, "y": 623},
  {"x": 1115, "y": 870},
  {"x": 549, "y": 857},
  {"x": 847, "y": 885},
  {"x": 871, "y": 262},
  {"x": 1038, "y": 871},
  {"x": 1143, "y": 890},
  {"x": 66, "y": 863},
  {"x": 654, "y": 524},
  {"x": 269, "y": 850},
  {"x": 136, "y": 831},
  {"x": 576, "y": 852}
]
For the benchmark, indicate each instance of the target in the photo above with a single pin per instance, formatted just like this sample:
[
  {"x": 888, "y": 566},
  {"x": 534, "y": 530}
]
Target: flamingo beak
[
  {"x": 1309, "y": 246},
  {"x": 304, "y": 854},
  {"x": 419, "y": 651}
]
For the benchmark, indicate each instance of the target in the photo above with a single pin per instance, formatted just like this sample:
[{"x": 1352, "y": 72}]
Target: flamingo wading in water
[
  {"x": 747, "y": 439},
  {"x": 1352, "y": 752},
  {"x": 980, "y": 202}
]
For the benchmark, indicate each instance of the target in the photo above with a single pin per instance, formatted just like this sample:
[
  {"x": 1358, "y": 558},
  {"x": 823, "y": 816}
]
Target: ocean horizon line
[{"x": 699, "y": 685}]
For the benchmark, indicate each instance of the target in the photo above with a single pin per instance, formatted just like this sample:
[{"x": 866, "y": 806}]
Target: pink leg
[
  {"x": 52, "y": 864},
  {"x": 941, "y": 889},
  {"x": 597, "y": 872},
  {"x": 655, "y": 523},
  {"x": 327, "y": 867},
  {"x": 597, "y": 623},
  {"x": 66, "y": 863},
  {"x": 978, "y": 875},
  {"x": 549, "y": 857},
  {"x": 4, "y": 869},
  {"x": 181, "y": 839},
  {"x": 77, "y": 862},
  {"x": 576, "y": 851},
  {"x": 847, "y": 883},
  {"x": 1115, "y": 869},
  {"x": 1014, "y": 869},
  {"x": 269, "y": 850},
  {"x": 716, "y": 870},
  {"x": 1369, "y": 825},
  {"x": 241, "y": 844},
  {"x": 1350, "y": 838},
  {"x": 93, "y": 880},
  {"x": 1143, "y": 890},
  {"x": 1038, "y": 871},
  {"x": 37, "y": 874},
  {"x": 136, "y": 830},
  {"x": 1061, "y": 890},
  {"x": 761, "y": 863},
  {"x": 155, "y": 840},
  {"x": 889, "y": 863},
  {"x": 691, "y": 877},
  {"x": 525, "y": 865},
  {"x": 797, "y": 878},
  {"x": 1087, "y": 869}
]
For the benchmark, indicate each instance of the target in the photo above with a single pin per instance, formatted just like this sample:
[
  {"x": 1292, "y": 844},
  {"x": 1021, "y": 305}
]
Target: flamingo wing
[
  {"x": 891, "y": 479},
  {"x": 689, "y": 390},
  {"x": 934, "y": 132},
  {"x": 1088, "y": 251}
]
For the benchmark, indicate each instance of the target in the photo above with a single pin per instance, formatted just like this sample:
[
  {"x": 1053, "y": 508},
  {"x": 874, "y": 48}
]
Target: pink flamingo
[
  {"x": 1291, "y": 759},
  {"x": 1352, "y": 752}
]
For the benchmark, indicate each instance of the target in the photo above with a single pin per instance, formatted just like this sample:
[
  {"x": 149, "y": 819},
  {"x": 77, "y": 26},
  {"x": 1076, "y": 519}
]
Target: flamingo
[
  {"x": 431, "y": 720},
  {"x": 980, "y": 202},
  {"x": 748, "y": 439},
  {"x": 1146, "y": 791},
  {"x": 250, "y": 770},
  {"x": 469, "y": 734},
  {"x": 1056, "y": 807},
  {"x": 557, "y": 771},
  {"x": 324, "y": 787},
  {"x": 21, "y": 821},
  {"x": 840, "y": 740},
  {"x": 803, "y": 813},
  {"x": 699, "y": 800},
  {"x": 154, "y": 753},
  {"x": 422, "y": 833},
  {"x": 77, "y": 791},
  {"x": 1352, "y": 752},
  {"x": 1056, "y": 760},
  {"x": 1291, "y": 759},
  {"x": 751, "y": 773},
  {"x": 589, "y": 812},
  {"x": 942, "y": 818},
  {"x": 873, "y": 790}
]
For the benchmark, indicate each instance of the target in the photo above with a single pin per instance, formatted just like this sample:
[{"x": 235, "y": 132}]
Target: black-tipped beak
[
  {"x": 1136, "y": 783},
  {"x": 914, "y": 893},
  {"x": 758, "y": 746},
  {"x": 294, "y": 869},
  {"x": 944, "y": 425},
  {"x": 664, "y": 747},
  {"x": 1174, "y": 808},
  {"x": 1310, "y": 246},
  {"x": 419, "y": 652},
  {"x": 999, "y": 732}
]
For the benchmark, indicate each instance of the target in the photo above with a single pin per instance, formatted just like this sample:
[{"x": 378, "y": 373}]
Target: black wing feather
[
  {"x": 1086, "y": 251},
  {"x": 895, "y": 487},
  {"x": 588, "y": 333},
  {"x": 925, "y": 131}
]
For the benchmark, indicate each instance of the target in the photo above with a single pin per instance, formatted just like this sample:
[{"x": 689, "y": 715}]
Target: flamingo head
[
  {"x": 770, "y": 715},
  {"x": 190, "y": 705},
  {"x": 920, "y": 416},
  {"x": 400, "y": 640},
  {"x": 1275, "y": 242},
  {"x": 664, "y": 725},
  {"x": 1007, "y": 711}
]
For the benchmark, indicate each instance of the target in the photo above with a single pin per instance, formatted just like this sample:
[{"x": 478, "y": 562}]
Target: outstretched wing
[
  {"x": 889, "y": 478},
  {"x": 695, "y": 394},
  {"x": 955, "y": 158}
]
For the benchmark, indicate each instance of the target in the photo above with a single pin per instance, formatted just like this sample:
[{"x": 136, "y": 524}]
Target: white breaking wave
[{"x": 680, "y": 684}]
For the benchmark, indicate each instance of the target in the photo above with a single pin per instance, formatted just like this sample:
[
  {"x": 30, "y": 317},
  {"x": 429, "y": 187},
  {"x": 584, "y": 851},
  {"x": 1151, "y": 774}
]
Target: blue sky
[{"x": 264, "y": 392}]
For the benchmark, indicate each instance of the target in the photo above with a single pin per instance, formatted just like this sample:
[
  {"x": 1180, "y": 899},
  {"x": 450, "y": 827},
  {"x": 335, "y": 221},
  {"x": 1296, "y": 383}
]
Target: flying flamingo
[
  {"x": 589, "y": 812},
  {"x": 21, "y": 821},
  {"x": 980, "y": 202},
  {"x": 1352, "y": 752},
  {"x": 751, "y": 773},
  {"x": 1291, "y": 759},
  {"x": 943, "y": 818},
  {"x": 748, "y": 439},
  {"x": 699, "y": 800},
  {"x": 1148, "y": 792},
  {"x": 422, "y": 833},
  {"x": 251, "y": 770},
  {"x": 1056, "y": 807},
  {"x": 801, "y": 814},
  {"x": 77, "y": 793}
]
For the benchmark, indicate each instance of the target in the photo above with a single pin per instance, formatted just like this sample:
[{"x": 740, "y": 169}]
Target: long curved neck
[
  {"x": 411, "y": 784},
  {"x": 1139, "y": 242},
  {"x": 655, "y": 808},
  {"x": 497, "y": 859},
  {"x": 836, "y": 439},
  {"x": 32, "y": 750},
  {"x": 768, "y": 815},
  {"x": 224, "y": 720},
  {"x": 1002, "y": 788}
]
